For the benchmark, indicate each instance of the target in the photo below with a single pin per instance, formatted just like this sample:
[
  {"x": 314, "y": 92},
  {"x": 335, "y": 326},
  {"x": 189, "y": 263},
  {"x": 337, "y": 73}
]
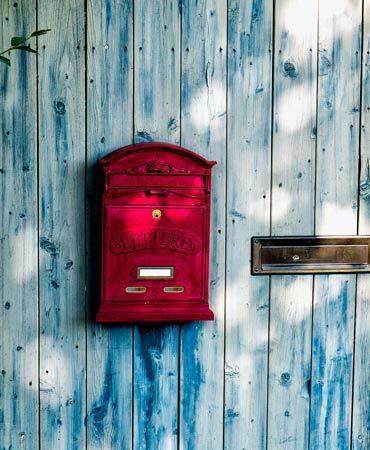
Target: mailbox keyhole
[{"x": 156, "y": 214}]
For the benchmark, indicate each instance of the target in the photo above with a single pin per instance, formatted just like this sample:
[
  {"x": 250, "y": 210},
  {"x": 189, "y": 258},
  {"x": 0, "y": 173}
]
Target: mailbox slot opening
[
  {"x": 173, "y": 289},
  {"x": 135, "y": 289},
  {"x": 155, "y": 273}
]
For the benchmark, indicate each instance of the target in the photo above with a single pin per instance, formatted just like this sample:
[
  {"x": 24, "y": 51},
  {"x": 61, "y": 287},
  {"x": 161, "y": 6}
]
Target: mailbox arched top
[{"x": 155, "y": 157}]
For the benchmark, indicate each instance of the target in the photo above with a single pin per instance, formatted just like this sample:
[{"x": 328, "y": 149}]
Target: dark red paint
[{"x": 142, "y": 182}]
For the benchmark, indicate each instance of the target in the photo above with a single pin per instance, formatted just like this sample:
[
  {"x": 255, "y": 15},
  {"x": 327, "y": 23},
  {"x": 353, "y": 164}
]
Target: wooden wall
[{"x": 278, "y": 92}]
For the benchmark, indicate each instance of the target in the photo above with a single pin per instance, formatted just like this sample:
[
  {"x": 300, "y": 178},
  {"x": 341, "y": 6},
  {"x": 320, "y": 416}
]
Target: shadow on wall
[{"x": 291, "y": 124}]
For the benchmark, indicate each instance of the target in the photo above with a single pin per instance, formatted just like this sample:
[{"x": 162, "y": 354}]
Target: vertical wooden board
[
  {"x": 336, "y": 213},
  {"x": 294, "y": 134},
  {"x": 62, "y": 226},
  {"x": 203, "y": 128},
  {"x": 361, "y": 388},
  {"x": 156, "y": 118},
  {"x": 332, "y": 362},
  {"x": 157, "y": 71},
  {"x": 250, "y": 34},
  {"x": 18, "y": 235},
  {"x": 109, "y": 126}
]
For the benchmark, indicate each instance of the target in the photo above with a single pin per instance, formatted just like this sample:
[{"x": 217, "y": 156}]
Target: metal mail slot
[{"x": 292, "y": 255}]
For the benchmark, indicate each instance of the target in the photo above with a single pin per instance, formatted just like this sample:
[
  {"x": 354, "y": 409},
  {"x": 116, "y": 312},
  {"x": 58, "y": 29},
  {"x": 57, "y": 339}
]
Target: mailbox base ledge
[{"x": 157, "y": 313}]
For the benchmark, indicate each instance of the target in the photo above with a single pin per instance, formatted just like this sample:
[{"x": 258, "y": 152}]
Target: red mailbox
[{"x": 155, "y": 235}]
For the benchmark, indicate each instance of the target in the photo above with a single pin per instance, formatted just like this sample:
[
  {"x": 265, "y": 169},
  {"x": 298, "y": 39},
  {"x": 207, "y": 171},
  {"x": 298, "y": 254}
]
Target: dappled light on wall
[
  {"x": 294, "y": 120},
  {"x": 281, "y": 204},
  {"x": 342, "y": 10},
  {"x": 257, "y": 209},
  {"x": 336, "y": 220},
  {"x": 26, "y": 269},
  {"x": 59, "y": 373},
  {"x": 298, "y": 18},
  {"x": 291, "y": 306},
  {"x": 208, "y": 105}
]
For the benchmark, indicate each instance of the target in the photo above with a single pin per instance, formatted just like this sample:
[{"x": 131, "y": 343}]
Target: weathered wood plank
[
  {"x": 157, "y": 71},
  {"x": 156, "y": 117},
  {"x": 18, "y": 235},
  {"x": 203, "y": 128},
  {"x": 109, "y": 126},
  {"x": 336, "y": 213},
  {"x": 332, "y": 362},
  {"x": 361, "y": 388},
  {"x": 248, "y": 213},
  {"x": 62, "y": 226},
  {"x": 292, "y": 213}
]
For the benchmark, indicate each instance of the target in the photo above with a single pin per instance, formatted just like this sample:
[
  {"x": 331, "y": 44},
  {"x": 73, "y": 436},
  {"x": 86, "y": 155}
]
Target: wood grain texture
[
  {"x": 109, "y": 126},
  {"x": 156, "y": 117},
  {"x": 157, "y": 71},
  {"x": 294, "y": 137},
  {"x": 248, "y": 213},
  {"x": 336, "y": 213},
  {"x": 18, "y": 236},
  {"x": 62, "y": 226},
  {"x": 203, "y": 128},
  {"x": 332, "y": 362},
  {"x": 361, "y": 388},
  {"x": 287, "y": 139}
]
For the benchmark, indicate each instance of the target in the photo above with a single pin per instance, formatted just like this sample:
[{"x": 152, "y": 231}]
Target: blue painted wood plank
[
  {"x": 18, "y": 235},
  {"x": 332, "y": 362},
  {"x": 292, "y": 214},
  {"x": 361, "y": 388},
  {"x": 109, "y": 125},
  {"x": 62, "y": 226},
  {"x": 156, "y": 47},
  {"x": 250, "y": 32},
  {"x": 156, "y": 117},
  {"x": 336, "y": 213},
  {"x": 203, "y": 128}
]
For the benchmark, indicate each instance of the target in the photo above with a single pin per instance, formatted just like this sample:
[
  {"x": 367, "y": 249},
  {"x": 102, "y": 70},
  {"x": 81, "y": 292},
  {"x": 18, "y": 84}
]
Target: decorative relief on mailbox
[
  {"x": 158, "y": 166},
  {"x": 155, "y": 235},
  {"x": 160, "y": 239},
  {"x": 155, "y": 166}
]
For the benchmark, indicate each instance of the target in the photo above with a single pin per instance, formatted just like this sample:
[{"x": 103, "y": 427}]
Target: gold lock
[{"x": 156, "y": 214}]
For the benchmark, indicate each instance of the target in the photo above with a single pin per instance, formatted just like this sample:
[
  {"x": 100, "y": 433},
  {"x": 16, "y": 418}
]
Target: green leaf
[
  {"x": 5, "y": 60},
  {"x": 26, "y": 48},
  {"x": 39, "y": 32},
  {"x": 17, "y": 40}
]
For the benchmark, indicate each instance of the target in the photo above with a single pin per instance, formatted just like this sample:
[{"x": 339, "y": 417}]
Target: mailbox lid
[
  {"x": 155, "y": 196},
  {"x": 134, "y": 239},
  {"x": 177, "y": 181}
]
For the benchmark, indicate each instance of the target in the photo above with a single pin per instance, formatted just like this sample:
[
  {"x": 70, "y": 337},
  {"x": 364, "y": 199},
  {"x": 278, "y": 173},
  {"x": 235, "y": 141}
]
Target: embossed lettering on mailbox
[{"x": 155, "y": 235}]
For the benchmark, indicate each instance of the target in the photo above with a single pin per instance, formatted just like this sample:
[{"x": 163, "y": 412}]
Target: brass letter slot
[
  {"x": 135, "y": 289},
  {"x": 292, "y": 255},
  {"x": 176, "y": 289}
]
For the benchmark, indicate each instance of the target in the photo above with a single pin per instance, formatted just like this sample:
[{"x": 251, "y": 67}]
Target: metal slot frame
[
  {"x": 310, "y": 255},
  {"x": 173, "y": 289},
  {"x": 135, "y": 289}
]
